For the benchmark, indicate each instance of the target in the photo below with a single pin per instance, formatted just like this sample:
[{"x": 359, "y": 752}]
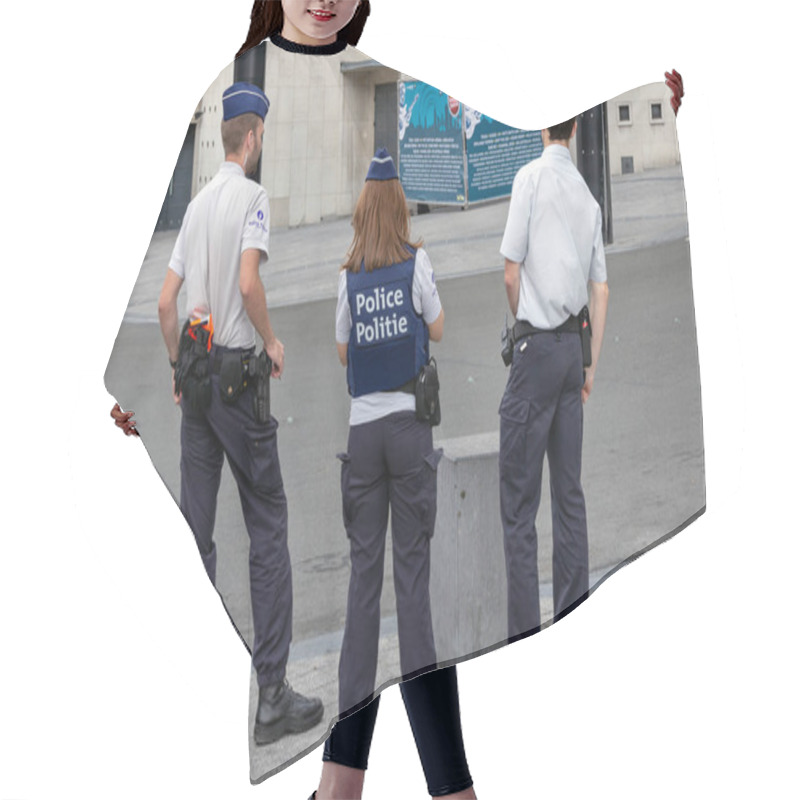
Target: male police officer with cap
[
  {"x": 222, "y": 243},
  {"x": 552, "y": 246}
]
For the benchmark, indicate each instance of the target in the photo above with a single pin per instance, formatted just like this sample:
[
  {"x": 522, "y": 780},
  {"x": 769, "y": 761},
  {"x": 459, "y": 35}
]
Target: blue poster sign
[
  {"x": 442, "y": 142},
  {"x": 495, "y": 152},
  {"x": 431, "y": 144}
]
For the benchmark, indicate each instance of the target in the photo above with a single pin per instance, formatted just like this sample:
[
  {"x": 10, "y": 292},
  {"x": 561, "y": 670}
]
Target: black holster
[
  {"x": 586, "y": 336},
  {"x": 507, "y": 345},
  {"x": 261, "y": 368},
  {"x": 427, "y": 394}
]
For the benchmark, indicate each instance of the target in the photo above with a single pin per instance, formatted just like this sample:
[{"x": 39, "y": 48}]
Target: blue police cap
[
  {"x": 381, "y": 168},
  {"x": 243, "y": 98}
]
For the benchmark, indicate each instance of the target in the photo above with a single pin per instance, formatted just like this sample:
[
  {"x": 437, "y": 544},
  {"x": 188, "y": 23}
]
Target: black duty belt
[{"x": 522, "y": 328}]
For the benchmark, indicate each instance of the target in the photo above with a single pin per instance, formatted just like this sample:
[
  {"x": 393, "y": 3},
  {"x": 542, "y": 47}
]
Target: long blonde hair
[{"x": 381, "y": 226}]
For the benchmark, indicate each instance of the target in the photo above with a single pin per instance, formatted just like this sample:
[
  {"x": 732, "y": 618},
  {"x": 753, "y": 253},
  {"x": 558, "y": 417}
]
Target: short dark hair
[
  {"x": 234, "y": 131},
  {"x": 562, "y": 131},
  {"x": 266, "y": 19}
]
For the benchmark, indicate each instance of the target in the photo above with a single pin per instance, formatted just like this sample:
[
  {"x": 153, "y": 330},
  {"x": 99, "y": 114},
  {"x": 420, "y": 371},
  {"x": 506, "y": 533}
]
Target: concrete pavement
[{"x": 648, "y": 208}]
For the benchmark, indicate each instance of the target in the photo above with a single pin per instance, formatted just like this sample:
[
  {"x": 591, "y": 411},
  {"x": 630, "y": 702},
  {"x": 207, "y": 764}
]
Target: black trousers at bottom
[{"x": 431, "y": 702}]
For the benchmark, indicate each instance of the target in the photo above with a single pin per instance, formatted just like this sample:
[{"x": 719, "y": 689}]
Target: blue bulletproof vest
[{"x": 389, "y": 340}]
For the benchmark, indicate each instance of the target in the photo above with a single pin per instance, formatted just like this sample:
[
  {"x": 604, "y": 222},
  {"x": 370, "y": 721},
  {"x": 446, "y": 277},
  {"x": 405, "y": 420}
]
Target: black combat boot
[{"x": 282, "y": 710}]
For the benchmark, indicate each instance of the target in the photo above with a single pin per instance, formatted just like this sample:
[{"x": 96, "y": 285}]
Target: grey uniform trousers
[
  {"x": 542, "y": 413},
  {"x": 252, "y": 452},
  {"x": 390, "y": 463}
]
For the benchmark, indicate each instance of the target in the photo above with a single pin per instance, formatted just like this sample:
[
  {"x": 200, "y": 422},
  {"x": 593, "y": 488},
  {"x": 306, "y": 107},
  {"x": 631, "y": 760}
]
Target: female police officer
[{"x": 388, "y": 308}]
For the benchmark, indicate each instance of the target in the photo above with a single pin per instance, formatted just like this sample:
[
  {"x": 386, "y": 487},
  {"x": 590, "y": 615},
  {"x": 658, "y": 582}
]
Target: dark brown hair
[
  {"x": 381, "y": 227},
  {"x": 562, "y": 131},
  {"x": 266, "y": 19}
]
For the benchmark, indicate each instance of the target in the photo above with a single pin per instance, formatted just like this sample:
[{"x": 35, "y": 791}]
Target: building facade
[
  {"x": 320, "y": 135},
  {"x": 642, "y": 133}
]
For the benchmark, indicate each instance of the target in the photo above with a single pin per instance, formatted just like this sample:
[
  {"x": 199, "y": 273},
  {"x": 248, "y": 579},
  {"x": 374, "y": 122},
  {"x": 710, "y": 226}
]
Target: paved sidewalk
[
  {"x": 314, "y": 664},
  {"x": 648, "y": 208}
]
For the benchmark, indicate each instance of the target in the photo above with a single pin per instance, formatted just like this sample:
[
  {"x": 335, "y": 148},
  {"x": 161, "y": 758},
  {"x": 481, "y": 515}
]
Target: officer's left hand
[
  {"x": 675, "y": 83},
  {"x": 588, "y": 383},
  {"x": 275, "y": 352},
  {"x": 124, "y": 420},
  {"x": 176, "y": 396}
]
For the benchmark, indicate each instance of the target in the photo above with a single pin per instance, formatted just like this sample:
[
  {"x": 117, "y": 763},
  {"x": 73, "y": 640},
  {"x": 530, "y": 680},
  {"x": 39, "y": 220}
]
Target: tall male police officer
[
  {"x": 552, "y": 246},
  {"x": 223, "y": 240}
]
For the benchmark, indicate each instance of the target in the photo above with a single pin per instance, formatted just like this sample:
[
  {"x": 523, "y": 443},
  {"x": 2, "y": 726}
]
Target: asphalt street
[{"x": 643, "y": 429}]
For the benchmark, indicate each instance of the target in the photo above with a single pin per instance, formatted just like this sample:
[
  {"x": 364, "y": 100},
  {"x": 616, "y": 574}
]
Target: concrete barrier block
[{"x": 468, "y": 573}]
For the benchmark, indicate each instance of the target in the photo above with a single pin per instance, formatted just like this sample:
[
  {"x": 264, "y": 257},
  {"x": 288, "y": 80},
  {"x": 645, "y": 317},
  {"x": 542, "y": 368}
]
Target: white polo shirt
[
  {"x": 554, "y": 230},
  {"x": 228, "y": 216}
]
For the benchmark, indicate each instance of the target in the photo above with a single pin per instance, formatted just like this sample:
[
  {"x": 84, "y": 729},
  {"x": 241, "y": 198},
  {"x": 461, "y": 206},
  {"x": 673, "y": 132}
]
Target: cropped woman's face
[{"x": 315, "y": 22}]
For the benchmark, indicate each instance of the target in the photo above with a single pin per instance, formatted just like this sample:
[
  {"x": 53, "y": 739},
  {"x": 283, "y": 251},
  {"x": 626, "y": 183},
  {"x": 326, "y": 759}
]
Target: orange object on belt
[{"x": 202, "y": 323}]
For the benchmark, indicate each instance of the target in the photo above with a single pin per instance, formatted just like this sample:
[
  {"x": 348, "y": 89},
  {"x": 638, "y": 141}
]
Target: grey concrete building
[{"x": 319, "y": 135}]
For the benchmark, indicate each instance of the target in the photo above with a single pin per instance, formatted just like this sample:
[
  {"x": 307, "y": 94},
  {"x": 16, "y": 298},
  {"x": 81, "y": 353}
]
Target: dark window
[
  {"x": 385, "y": 129},
  {"x": 624, "y": 113},
  {"x": 627, "y": 165},
  {"x": 655, "y": 112},
  {"x": 180, "y": 187}
]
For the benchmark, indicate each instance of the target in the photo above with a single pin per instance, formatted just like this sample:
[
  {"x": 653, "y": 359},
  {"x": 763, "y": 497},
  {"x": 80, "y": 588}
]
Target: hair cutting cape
[{"x": 643, "y": 461}]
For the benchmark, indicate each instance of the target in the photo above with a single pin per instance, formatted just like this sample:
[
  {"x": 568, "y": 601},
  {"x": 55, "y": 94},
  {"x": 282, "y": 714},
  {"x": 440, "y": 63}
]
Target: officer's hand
[
  {"x": 675, "y": 83},
  {"x": 275, "y": 352},
  {"x": 588, "y": 383},
  {"x": 176, "y": 396},
  {"x": 124, "y": 420}
]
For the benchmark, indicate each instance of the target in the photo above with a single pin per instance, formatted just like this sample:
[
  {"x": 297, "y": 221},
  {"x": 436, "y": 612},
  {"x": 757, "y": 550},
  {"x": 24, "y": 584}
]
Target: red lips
[{"x": 322, "y": 16}]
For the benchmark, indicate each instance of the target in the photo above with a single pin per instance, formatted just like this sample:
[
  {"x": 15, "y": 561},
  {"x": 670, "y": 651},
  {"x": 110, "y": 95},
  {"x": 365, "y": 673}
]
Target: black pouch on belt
[
  {"x": 427, "y": 394},
  {"x": 586, "y": 336},
  {"x": 191, "y": 372},
  {"x": 231, "y": 377}
]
